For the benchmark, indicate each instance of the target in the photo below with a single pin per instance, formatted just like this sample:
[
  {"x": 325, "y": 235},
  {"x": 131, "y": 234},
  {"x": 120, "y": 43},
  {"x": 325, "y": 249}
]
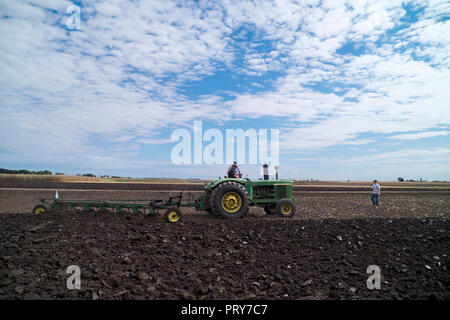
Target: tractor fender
[{"x": 213, "y": 184}]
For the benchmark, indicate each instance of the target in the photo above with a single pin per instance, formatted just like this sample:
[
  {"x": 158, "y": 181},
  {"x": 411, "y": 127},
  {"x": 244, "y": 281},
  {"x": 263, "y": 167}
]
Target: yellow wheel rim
[
  {"x": 173, "y": 216},
  {"x": 39, "y": 210},
  {"x": 286, "y": 209},
  {"x": 231, "y": 202}
]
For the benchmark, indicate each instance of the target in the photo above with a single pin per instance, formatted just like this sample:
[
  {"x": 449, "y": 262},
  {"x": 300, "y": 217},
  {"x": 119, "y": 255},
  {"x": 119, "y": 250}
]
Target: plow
[
  {"x": 226, "y": 198},
  {"x": 149, "y": 207}
]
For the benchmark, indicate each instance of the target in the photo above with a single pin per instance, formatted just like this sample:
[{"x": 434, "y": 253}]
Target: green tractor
[
  {"x": 226, "y": 198},
  {"x": 231, "y": 197}
]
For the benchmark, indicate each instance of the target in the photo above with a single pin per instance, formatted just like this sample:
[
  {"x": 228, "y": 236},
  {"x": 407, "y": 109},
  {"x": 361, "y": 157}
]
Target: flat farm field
[{"x": 321, "y": 253}]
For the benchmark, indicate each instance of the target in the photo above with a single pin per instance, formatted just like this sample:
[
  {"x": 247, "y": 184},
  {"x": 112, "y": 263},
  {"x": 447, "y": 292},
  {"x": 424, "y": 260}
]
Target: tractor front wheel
[{"x": 285, "y": 208}]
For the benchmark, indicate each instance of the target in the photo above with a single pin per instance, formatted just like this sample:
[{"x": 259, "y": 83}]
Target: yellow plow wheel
[
  {"x": 39, "y": 209},
  {"x": 173, "y": 215}
]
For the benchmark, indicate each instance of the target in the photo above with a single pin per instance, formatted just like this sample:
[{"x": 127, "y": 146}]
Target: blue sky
[{"x": 359, "y": 90}]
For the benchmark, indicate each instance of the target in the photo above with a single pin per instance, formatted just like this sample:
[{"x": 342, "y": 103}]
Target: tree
[
  {"x": 44, "y": 172},
  {"x": 400, "y": 179},
  {"x": 89, "y": 175}
]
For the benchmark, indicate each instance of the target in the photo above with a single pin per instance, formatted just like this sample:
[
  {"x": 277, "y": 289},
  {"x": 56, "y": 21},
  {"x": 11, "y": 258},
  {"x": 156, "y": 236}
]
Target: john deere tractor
[
  {"x": 231, "y": 198},
  {"x": 227, "y": 198}
]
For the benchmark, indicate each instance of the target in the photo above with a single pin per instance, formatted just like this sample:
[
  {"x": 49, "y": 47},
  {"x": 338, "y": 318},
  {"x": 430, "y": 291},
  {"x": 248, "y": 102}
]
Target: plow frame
[{"x": 145, "y": 206}]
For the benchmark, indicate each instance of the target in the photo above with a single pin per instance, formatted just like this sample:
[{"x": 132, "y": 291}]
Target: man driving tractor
[{"x": 233, "y": 171}]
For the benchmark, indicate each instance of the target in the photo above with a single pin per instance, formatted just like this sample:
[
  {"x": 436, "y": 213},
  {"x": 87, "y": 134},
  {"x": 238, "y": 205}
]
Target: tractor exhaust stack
[{"x": 266, "y": 171}]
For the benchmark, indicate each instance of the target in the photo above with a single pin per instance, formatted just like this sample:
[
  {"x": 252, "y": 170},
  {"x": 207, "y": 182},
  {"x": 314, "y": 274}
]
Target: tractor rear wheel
[
  {"x": 285, "y": 208},
  {"x": 39, "y": 209},
  {"x": 207, "y": 202},
  {"x": 229, "y": 200},
  {"x": 172, "y": 215}
]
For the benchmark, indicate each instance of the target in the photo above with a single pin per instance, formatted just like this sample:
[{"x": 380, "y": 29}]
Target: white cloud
[
  {"x": 429, "y": 164},
  {"x": 65, "y": 91},
  {"x": 405, "y": 156},
  {"x": 419, "y": 135},
  {"x": 119, "y": 78}
]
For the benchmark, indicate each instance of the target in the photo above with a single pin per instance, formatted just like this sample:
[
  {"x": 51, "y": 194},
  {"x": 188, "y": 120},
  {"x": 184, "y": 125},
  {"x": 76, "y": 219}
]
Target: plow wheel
[
  {"x": 229, "y": 200},
  {"x": 285, "y": 208},
  {"x": 39, "y": 209},
  {"x": 172, "y": 215}
]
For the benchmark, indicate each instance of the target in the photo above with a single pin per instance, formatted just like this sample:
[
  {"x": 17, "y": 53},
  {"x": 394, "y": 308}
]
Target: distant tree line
[
  {"x": 400, "y": 179},
  {"x": 43, "y": 172},
  {"x": 89, "y": 175}
]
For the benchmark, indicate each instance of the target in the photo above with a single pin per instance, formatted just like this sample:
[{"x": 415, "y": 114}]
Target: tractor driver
[{"x": 233, "y": 171}]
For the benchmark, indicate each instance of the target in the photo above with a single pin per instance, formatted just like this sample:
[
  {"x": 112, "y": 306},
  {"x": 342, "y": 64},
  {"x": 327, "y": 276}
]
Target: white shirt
[{"x": 375, "y": 188}]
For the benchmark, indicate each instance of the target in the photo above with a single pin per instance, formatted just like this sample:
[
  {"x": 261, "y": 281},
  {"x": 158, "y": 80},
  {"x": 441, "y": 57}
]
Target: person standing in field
[{"x": 376, "y": 190}]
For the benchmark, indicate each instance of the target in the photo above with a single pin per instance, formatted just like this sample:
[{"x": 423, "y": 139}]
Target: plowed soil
[{"x": 322, "y": 253}]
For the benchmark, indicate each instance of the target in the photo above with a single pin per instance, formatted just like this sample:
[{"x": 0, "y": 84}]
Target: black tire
[
  {"x": 269, "y": 209},
  {"x": 237, "y": 201},
  {"x": 172, "y": 215},
  {"x": 285, "y": 208},
  {"x": 39, "y": 209},
  {"x": 207, "y": 202}
]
